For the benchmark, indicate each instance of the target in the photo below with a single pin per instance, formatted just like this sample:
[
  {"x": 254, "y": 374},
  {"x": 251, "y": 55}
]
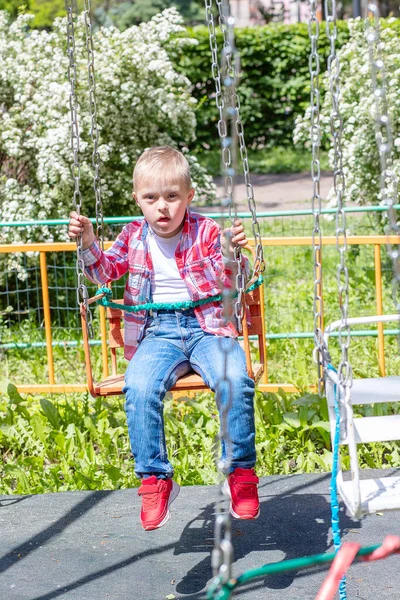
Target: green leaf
[
  {"x": 321, "y": 425},
  {"x": 39, "y": 428},
  {"x": 292, "y": 419},
  {"x": 113, "y": 473},
  {"x": 60, "y": 441},
  {"x": 14, "y": 395},
  {"x": 50, "y": 412},
  {"x": 20, "y": 474}
]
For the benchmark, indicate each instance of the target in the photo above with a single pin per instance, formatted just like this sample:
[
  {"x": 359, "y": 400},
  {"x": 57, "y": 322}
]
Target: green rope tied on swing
[{"x": 106, "y": 301}]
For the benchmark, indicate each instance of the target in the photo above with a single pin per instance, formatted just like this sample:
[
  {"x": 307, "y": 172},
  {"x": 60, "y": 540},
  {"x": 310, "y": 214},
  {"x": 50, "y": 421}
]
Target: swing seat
[
  {"x": 365, "y": 496},
  {"x": 113, "y": 385}
]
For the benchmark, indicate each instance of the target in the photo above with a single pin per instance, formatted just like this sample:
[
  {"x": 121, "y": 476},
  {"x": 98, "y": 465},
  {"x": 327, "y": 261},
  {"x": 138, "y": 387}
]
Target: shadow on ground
[{"x": 296, "y": 525}]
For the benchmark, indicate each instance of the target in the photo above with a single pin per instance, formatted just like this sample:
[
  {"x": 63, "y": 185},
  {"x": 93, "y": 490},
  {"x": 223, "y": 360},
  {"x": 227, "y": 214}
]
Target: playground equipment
[
  {"x": 113, "y": 384},
  {"x": 359, "y": 496},
  {"x": 342, "y": 392},
  {"x": 246, "y": 292},
  {"x": 337, "y": 384}
]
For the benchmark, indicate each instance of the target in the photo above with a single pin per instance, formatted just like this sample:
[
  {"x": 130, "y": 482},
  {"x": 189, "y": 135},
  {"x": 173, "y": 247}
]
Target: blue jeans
[{"x": 173, "y": 344}]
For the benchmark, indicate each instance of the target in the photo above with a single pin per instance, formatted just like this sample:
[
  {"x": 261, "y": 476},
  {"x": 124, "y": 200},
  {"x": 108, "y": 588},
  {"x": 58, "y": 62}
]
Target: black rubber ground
[{"x": 90, "y": 545}]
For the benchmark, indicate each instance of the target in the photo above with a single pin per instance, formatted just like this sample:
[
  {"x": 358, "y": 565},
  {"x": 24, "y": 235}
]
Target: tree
[
  {"x": 121, "y": 13},
  {"x": 141, "y": 101},
  {"x": 45, "y": 11}
]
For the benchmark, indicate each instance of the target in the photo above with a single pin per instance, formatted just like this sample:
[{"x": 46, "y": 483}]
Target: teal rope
[
  {"x": 108, "y": 303},
  {"x": 333, "y": 486}
]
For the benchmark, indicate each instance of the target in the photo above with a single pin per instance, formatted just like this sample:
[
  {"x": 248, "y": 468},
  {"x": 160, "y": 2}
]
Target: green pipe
[
  {"x": 309, "y": 335},
  {"x": 242, "y": 215},
  {"x": 269, "y": 336},
  {"x": 225, "y": 590}
]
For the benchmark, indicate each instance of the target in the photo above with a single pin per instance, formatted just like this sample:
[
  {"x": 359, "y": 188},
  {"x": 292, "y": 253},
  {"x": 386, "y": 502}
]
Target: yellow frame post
[
  {"x": 264, "y": 378},
  {"x": 379, "y": 309},
  {"x": 103, "y": 331},
  {"x": 47, "y": 316},
  {"x": 320, "y": 307}
]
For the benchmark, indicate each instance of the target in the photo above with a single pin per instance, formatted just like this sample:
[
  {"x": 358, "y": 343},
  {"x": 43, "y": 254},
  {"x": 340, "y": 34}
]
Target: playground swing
[
  {"x": 250, "y": 295},
  {"x": 382, "y": 493},
  {"x": 361, "y": 496}
]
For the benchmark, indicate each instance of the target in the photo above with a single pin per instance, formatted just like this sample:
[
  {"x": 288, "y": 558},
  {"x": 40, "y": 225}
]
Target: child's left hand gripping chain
[{"x": 238, "y": 235}]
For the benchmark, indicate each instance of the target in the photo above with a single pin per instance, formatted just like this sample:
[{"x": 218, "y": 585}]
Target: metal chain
[
  {"x": 82, "y": 292},
  {"x": 384, "y": 138},
  {"x": 224, "y": 100},
  {"x": 222, "y": 554},
  {"x": 94, "y": 132},
  {"x": 339, "y": 184},
  {"x": 315, "y": 134},
  {"x": 259, "y": 264}
]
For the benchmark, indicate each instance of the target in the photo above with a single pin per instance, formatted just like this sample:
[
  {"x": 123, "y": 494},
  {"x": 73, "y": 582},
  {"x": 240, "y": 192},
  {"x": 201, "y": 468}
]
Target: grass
[
  {"x": 279, "y": 159},
  {"x": 68, "y": 443}
]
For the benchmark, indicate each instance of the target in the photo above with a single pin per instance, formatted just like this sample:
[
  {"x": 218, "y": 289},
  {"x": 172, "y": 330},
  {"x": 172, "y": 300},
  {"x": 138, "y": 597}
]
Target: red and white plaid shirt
[{"x": 199, "y": 261}]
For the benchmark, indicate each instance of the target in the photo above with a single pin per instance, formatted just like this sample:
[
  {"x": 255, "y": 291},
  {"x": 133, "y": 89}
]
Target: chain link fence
[{"x": 288, "y": 294}]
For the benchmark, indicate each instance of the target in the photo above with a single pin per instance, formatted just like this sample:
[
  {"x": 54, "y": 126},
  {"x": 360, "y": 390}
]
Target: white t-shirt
[{"x": 166, "y": 283}]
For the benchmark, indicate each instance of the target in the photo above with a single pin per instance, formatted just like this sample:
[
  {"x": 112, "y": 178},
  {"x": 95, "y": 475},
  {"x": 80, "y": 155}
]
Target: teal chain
[{"x": 106, "y": 300}]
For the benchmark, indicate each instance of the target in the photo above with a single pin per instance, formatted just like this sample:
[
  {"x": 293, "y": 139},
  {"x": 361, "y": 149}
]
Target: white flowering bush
[
  {"x": 357, "y": 108},
  {"x": 141, "y": 101}
]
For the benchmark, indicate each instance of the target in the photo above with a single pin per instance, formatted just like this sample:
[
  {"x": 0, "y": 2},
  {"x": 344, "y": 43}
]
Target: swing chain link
[
  {"x": 233, "y": 69},
  {"x": 315, "y": 135},
  {"x": 339, "y": 184},
  {"x": 384, "y": 138},
  {"x": 94, "y": 131},
  {"x": 224, "y": 98},
  {"x": 222, "y": 554},
  {"x": 82, "y": 294}
]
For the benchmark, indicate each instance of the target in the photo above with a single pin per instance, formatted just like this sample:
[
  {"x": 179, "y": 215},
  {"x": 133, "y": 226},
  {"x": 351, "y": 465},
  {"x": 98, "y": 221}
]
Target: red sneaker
[
  {"x": 241, "y": 486},
  {"x": 157, "y": 495}
]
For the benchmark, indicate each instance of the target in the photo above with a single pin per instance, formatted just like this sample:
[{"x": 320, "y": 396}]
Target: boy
[{"x": 174, "y": 255}]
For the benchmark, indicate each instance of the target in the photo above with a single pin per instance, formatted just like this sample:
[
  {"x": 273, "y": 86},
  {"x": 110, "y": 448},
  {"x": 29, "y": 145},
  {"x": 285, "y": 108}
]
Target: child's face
[{"x": 163, "y": 204}]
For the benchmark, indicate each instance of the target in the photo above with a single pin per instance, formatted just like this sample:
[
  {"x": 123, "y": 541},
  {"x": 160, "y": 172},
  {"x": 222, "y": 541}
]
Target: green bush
[{"x": 275, "y": 80}]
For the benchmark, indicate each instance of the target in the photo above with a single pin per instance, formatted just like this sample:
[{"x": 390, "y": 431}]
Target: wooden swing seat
[{"x": 113, "y": 384}]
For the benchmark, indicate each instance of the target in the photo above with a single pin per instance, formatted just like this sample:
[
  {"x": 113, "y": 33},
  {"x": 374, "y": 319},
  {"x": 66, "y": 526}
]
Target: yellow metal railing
[{"x": 43, "y": 248}]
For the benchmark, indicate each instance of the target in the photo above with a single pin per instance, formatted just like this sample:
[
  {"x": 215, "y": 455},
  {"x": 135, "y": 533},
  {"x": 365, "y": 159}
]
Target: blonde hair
[{"x": 162, "y": 162}]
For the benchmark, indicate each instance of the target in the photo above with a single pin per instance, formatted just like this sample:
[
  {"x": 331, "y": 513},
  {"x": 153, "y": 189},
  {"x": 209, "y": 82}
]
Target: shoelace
[
  {"x": 246, "y": 489},
  {"x": 150, "y": 498}
]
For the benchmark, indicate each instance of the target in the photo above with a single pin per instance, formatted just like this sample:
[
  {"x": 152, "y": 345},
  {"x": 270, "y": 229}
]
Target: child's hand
[
  {"x": 79, "y": 224},
  {"x": 238, "y": 235}
]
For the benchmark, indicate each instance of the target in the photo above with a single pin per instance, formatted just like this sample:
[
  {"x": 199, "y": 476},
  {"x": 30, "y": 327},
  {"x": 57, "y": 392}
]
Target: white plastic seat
[
  {"x": 371, "y": 391},
  {"x": 368, "y": 495}
]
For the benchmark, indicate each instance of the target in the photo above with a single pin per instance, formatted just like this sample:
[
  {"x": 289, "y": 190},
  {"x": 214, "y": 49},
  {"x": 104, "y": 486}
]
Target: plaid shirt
[{"x": 199, "y": 261}]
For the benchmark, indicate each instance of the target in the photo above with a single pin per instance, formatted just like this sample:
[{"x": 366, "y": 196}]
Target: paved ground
[
  {"x": 90, "y": 546},
  {"x": 287, "y": 191}
]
